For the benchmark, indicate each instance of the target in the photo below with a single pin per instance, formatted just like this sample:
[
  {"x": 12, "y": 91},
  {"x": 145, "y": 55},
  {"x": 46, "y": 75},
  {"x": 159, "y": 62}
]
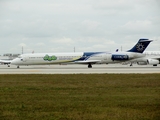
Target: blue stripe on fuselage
[{"x": 87, "y": 55}]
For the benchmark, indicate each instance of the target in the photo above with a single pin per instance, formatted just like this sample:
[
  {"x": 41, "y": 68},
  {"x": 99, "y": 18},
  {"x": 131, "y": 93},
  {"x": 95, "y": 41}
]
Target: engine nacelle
[
  {"x": 142, "y": 63},
  {"x": 153, "y": 62},
  {"x": 149, "y": 62}
]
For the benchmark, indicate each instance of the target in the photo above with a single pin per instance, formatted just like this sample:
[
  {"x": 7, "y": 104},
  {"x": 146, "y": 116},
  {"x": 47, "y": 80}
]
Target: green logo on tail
[{"x": 49, "y": 58}]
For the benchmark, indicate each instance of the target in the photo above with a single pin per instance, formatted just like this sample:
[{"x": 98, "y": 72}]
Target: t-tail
[{"x": 140, "y": 46}]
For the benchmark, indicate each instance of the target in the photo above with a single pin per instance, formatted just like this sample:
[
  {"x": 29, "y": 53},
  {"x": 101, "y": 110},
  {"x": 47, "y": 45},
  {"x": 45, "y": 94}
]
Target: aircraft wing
[
  {"x": 156, "y": 57},
  {"x": 153, "y": 57},
  {"x": 5, "y": 61},
  {"x": 87, "y": 61}
]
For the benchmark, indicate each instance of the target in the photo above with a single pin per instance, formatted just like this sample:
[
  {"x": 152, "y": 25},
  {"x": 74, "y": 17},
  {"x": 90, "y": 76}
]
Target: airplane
[
  {"x": 150, "y": 58},
  {"x": 6, "y": 62},
  {"x": 7, "y": 58},
  {"x": 88, "y": 58}
]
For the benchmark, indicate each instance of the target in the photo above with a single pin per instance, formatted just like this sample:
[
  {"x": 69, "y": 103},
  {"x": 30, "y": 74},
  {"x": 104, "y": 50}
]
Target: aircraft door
[
  {"x": 107, "y": 57},
  {"x": 104, "y": 58}
]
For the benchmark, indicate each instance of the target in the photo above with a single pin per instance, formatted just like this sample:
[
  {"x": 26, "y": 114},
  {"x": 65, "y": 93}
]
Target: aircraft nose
[{"x": 14, "y": 61}]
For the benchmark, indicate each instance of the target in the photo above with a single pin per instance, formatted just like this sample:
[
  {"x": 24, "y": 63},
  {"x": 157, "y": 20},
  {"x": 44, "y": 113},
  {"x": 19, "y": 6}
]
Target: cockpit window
[{"x": 19, "y": 56}]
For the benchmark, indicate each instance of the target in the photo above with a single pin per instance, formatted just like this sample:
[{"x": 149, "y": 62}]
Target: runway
[{"x": 78, "y": 69}]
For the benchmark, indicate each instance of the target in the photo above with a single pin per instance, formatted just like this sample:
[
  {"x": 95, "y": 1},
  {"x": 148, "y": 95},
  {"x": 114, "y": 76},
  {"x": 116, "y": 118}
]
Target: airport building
[{"x": 8, "y": 56}]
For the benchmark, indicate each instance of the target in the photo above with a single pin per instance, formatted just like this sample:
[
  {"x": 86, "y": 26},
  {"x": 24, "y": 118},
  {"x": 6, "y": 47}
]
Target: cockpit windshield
[{"x": 19, "y": 56}]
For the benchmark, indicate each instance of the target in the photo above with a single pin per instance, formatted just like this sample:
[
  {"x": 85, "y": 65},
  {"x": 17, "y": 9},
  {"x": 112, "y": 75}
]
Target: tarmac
[{"x": 80, "y": 69}]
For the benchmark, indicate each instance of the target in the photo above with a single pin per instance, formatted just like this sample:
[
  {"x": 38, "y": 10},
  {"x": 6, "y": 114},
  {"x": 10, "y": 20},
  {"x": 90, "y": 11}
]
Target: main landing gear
[
  {"x": 17, "y": 66},
  {"x": 89, "y": 65}
]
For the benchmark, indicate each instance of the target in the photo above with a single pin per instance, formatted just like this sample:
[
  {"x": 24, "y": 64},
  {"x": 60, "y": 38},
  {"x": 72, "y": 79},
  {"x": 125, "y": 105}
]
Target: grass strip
[{"x": 80, "y": 97}]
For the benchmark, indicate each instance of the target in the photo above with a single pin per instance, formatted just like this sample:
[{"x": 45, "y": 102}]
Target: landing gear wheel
[
  {"x": 89, "y": 65},
  {"x": 155, "y": 65},
  {"x": 17, "y": 66}
]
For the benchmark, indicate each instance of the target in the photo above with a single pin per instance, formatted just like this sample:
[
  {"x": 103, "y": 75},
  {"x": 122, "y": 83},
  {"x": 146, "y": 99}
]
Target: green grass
[{"x": 80, "y": 97}]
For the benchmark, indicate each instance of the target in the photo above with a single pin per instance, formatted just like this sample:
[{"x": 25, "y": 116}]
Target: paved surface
[{"x": 78, "y": 69}]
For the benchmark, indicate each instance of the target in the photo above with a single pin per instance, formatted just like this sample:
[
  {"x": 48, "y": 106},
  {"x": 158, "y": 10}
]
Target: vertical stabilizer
[{"x": 140, "y": 46}]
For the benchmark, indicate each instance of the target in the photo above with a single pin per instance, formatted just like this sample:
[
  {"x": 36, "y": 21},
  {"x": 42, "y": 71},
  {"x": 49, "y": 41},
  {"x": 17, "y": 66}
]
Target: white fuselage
[
  {"x": 149, "y": 57},
  {"x": 58, "y": 58}
]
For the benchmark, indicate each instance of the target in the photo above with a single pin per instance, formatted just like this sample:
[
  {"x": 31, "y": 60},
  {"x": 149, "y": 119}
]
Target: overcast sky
[{"x": 87, "y": 25}]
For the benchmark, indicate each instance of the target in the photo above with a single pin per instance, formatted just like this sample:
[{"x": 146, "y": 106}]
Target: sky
[{"x": 86, "y": 25}]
